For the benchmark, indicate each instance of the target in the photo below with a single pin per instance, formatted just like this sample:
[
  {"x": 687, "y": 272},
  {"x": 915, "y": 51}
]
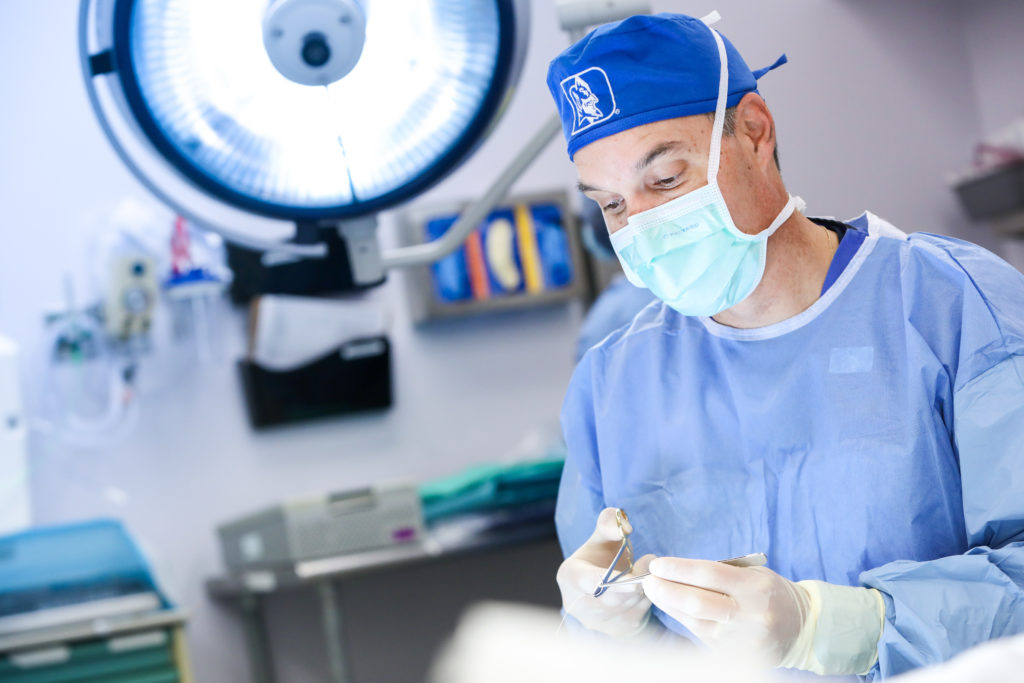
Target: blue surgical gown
[
  {"x": 617, "y": 305},
  {"x": 875, "y": 439}
]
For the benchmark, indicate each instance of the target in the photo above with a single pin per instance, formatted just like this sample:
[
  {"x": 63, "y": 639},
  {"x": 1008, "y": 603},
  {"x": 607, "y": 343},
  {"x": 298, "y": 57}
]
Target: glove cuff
[
  {"x": 841, "y": 630},
  {"x": 641, "y": 628}
]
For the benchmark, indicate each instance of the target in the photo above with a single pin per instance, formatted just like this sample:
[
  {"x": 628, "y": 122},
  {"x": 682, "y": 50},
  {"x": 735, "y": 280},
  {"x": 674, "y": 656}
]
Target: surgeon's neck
[{"x": 798, "y": 258}]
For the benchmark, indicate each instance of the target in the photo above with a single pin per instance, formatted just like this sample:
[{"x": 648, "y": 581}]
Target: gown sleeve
[
  {"x": 580, "y": 495},
  {"x": 937, "y": 608}
]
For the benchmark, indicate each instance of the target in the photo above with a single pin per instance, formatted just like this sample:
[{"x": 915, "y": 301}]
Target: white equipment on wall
[
  {"x": 131, "y": 296},
  {"x": 15, "y": 504}
]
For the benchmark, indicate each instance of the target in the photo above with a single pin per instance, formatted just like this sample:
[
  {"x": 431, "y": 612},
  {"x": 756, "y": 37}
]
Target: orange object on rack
[{"x": 479, "y": 282}]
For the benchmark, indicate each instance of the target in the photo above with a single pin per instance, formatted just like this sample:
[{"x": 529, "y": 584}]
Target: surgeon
[{"x": 841, "y": 396}]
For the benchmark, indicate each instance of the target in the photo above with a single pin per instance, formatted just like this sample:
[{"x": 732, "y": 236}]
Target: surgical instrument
[{"x": 625, "y": 547}]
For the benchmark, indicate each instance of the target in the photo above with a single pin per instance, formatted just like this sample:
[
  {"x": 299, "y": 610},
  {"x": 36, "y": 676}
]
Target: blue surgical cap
[{"x": 643, "y": 69}]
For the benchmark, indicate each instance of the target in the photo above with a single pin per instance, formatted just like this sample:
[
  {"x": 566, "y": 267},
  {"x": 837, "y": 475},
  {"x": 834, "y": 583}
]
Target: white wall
[
  {"x": 996, "y": 55},
  {"x": 996, "y": 51},
  {"x": 880, "y": 101}
]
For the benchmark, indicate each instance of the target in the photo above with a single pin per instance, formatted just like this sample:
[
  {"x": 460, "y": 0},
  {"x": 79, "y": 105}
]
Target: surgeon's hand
[
  {"x": 756, "y": 613},
  {"x": 753, "y": 611},
  {"x": 619, "y": 611}
]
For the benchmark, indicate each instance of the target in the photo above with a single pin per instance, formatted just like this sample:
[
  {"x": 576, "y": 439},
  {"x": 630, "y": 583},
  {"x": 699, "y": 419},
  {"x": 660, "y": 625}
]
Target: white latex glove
[
  {"x": 757, "y": 614},
  {"x": 619, "y": 611}
]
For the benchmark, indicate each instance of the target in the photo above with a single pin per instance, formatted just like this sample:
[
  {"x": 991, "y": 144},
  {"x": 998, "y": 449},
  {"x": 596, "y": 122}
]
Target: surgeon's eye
[
  {"x": 667, "y": 182},
  {"x": 612, "y": 207}
]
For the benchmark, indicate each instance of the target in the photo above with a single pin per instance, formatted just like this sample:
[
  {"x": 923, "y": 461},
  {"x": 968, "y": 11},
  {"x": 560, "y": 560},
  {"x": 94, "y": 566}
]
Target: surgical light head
[{"x": 281, "y": 122}]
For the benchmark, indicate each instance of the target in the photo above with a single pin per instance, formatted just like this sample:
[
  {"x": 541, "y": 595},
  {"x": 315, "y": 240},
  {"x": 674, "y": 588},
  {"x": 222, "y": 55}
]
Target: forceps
[
  {"x": 626, "y": 547},
  {"x": 751, "y": 560}
]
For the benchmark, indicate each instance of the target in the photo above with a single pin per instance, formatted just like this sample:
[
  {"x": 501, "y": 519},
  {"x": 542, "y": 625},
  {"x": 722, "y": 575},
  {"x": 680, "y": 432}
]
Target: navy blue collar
[{"x": 850, "y": 239}]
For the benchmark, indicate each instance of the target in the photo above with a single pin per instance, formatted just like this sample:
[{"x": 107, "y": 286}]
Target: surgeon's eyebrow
[{"x": 660, "y": 150}]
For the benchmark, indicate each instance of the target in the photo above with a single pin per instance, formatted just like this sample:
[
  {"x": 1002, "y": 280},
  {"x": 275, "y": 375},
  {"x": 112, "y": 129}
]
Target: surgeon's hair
[{"x": 729, "y": 129}]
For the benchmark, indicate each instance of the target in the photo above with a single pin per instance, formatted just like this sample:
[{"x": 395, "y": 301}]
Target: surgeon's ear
[{"x": 755, "y": 127}]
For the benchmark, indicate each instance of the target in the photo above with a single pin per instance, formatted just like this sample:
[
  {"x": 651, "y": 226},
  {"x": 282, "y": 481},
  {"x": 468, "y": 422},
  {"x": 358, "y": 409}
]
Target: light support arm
[
  {"x": 475, "y": 213},
  {"x": 576, "y": 16}
]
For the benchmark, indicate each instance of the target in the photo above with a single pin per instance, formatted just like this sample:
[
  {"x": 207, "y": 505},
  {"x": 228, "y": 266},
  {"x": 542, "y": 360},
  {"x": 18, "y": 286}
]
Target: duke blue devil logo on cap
[{"x": 590, "y": 94}]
